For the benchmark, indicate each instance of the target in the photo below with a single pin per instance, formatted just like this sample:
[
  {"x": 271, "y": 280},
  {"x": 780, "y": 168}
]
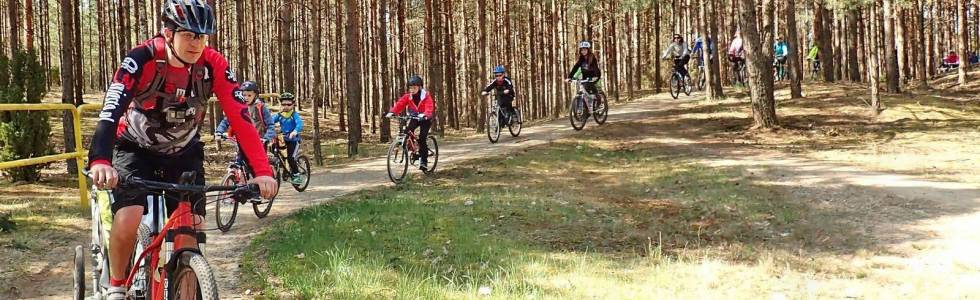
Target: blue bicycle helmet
[{"x": 499, "y": 69}]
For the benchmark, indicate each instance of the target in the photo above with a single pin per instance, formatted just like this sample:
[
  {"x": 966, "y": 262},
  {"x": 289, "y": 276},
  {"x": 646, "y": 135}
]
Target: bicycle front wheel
[
  {"x": 493, "y": 126},
  {"x": 433, "y": 155},
  {"x": 78, "y": 274},
  {"x": 226, "y": 207},
  {"x": 397, "y": 162},
  {"x": 193, "y": 279},
  {"x": 675, "y": 85},
  {"x": 262, "y": 207},
  {"x": 303, "y": 164},
  {"x": 576, "y": 114}
]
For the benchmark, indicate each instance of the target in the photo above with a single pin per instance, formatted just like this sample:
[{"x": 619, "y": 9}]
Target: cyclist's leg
[
  {"x": 683, "y": 66},
  {"x": 128, "y": 206},
  {"x": 424, "y": 127},
  {"x": 292, "y": 148},
  {"x": 507, "y": 105}
]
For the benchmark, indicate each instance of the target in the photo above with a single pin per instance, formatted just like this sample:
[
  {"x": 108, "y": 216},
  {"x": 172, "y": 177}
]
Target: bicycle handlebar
[
  {"x": 244, "y": 190},
  {"x": 593, "y": 79}
]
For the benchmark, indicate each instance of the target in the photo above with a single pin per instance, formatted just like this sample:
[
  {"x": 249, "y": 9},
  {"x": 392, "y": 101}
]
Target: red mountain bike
[
  {"x": 163, "y": 267},
  {"x": 404, "y": 151}
]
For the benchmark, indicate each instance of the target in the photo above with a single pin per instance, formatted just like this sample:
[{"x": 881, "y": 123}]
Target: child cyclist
[
  {"x": 290, "y": 125},
  {"x": 419, "y": 103}
]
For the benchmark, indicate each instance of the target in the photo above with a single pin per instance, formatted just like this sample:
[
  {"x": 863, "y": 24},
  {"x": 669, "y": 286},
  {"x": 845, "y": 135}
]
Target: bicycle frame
[{"x": 181, "y": 222}]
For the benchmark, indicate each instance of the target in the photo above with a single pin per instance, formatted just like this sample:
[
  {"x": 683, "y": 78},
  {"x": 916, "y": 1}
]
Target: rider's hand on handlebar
[
  {"x": 422, "y": 116},
  {"x": 104, "y": 176},
  {"x": 267, "y": 186},
  {"x": 389, "y": 115},
  {"x": 506, "y": 92},
  {"x": 484, "y": 93}
]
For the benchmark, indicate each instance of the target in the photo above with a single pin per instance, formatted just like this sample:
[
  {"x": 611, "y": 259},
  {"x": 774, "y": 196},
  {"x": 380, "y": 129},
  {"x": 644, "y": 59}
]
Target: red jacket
[{"x": 426, "y": 106}]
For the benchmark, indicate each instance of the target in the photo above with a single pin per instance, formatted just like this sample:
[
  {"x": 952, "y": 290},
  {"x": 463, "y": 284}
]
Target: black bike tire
[
  {"x": 403, "y": 164},
  {"x": 303, "y": 163},
  {"x": 190, "y": 262},
  {"x": 577, "y": 101},
  {"x": 78, "y": 274},
  {"x": 264, "y": 212},
  {"x": 493, "y": 133},
  {"x": 229, "y": 179},
  {"x": 675, "y": 86},
  {"x": 604, "y": 112}
]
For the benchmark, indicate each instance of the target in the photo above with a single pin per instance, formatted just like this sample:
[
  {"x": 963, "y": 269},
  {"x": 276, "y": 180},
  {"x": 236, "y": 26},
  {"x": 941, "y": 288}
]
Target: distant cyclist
[
  {"x": 588, "y": 65},
  {"x": 504, "y": 88},
  {"x": 257, "y": 111},
  {"x": 419, "y": 103},
  {"x": 736, "y": 52},
  {"x": 781, "y": 51},
  {"x": 678, "y": 51}
]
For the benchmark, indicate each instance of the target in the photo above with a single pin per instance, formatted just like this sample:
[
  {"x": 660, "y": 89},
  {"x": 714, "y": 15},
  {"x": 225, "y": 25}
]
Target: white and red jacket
[{"x": 423, "y": 104}]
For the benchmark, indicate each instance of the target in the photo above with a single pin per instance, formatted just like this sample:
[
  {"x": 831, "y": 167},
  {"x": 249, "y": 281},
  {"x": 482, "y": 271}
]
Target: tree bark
[
  {"x": 853, "y": 71},
  {"x": 921, "y": 60},
  {"x": 759, "y": 63},
  {"x": 891, "y": 57},
  {"x": 963, "y": 41},
  {"x": 796, "y": 68},
  {"x": 353, "y": 55}
]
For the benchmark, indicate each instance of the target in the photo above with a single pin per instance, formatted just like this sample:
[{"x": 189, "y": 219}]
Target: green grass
[{"x": 558, "y": 221}]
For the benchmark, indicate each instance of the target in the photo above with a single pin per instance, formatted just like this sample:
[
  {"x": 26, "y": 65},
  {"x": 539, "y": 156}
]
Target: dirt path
[{"x": 921, "y": 221}]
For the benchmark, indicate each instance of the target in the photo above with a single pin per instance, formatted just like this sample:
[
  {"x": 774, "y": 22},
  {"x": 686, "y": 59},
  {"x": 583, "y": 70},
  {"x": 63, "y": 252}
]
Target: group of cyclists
[{"x": 679, "y": 52}]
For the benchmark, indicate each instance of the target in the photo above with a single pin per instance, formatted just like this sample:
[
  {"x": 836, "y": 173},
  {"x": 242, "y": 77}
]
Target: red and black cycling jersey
[{"x": 160, "y": 108}]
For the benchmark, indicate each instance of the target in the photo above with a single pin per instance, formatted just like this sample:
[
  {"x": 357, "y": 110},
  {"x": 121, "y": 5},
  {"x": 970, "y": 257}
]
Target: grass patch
[{"x": 559, "y": 221}]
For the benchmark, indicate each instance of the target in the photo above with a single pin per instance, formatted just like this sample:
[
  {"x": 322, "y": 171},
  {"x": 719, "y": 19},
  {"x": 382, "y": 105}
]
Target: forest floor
[{"x": 857, "y": 207}]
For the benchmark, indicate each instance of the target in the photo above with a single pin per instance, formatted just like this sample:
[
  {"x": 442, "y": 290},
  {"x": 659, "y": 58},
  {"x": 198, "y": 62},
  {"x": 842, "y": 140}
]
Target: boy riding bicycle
[
  {"x": 419, "y": 102},
  {"x": 257, "y": 111},
  {"x": 290, "y": 125},
  {"x": 150, "y": 122},
  {"x": 504, "y": 88}
]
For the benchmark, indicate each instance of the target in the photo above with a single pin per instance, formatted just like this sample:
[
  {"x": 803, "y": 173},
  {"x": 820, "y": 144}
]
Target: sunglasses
[{"x": 287, "y": 104}]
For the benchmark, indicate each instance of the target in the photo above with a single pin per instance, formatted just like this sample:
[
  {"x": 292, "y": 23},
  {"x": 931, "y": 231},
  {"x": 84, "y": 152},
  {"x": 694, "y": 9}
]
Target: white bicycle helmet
[{"x": 585, "y": 45}]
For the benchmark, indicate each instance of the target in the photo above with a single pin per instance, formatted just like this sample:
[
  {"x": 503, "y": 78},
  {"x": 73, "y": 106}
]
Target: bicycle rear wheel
[
  {"x": 516, "y": 123},
  {"x": 601, "y": 107},
  {"x": 675, "y": 85},
  {"x": 433, "y": 155},
  {"x": 303, "y": 164},
  {"x": 225, "y": 207},
  {"x": 493, "y": 126},
  {"x": 193, "y": 278},
  {"x": 576, "y": 114},
  {"x": 397, "y": 162}
]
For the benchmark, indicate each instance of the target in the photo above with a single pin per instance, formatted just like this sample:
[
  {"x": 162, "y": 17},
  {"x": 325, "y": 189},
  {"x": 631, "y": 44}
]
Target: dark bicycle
[
  {"x": 740, "y": 74},
  {"x": 404, "y": 150},
  {"x": 678, "y": 83},
  {"x": 778, "y": 70},
  {"x": 226, "y": 209},
  {"x": 301, "y": 180},
  {"x": 496, "y": 117}
]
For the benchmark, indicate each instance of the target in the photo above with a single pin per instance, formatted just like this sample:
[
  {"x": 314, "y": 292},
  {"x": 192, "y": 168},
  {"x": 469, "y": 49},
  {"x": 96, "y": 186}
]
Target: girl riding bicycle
[
  {"x": 679, "y": 52},
  {"x": 419, "y": 102},
  {"x": 588, "y": 64}
]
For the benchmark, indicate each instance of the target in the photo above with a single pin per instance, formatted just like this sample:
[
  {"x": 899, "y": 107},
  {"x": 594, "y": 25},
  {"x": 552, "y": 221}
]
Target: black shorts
[{"x": 129, "y": 159}]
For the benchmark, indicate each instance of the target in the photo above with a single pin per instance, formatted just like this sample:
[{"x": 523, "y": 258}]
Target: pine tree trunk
[
  {"x": 962, "y": 41},
  {"x": 854, "y": 72},
  {"x": 14, "y": 25},
  {"x": 759, "y": 62},
  {"x": 796, "y": 68},
  {"x": 891, "y": 57},
  {"x": 68, "y": 81},
  {"x": 921, "y": 59},
  {"x": 714, "y": 67},
  {"x": 386, "y": 96},
  {"x": 874, "y": 66},
  {"x": 354, "y": 93}
]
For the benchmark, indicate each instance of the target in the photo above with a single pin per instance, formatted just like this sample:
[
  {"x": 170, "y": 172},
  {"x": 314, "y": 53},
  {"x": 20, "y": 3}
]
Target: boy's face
[
  {"x": 250, "y": 97},
  {"x": 414, "y": 89},
  {"x": 583, "y": 51},
  {"x": 287, "y": 105}
]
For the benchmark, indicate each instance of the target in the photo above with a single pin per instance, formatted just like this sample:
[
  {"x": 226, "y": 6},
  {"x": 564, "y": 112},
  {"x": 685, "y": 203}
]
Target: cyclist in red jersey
[{"x": 149, "y": 125}]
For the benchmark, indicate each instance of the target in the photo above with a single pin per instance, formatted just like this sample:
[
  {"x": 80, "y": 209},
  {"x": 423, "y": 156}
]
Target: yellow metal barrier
[{"x": 78, "y": 155}]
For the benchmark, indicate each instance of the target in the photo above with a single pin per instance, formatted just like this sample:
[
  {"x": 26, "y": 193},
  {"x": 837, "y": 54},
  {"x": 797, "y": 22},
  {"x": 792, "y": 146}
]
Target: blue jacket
[
  {"x": 289, "y": 125},
  {"x": 781, "y": 49},
  {"x": 262, "y": 121}
]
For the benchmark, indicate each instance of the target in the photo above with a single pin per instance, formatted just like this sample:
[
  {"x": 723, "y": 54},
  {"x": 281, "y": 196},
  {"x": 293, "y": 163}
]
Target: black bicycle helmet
[
  {"x": 191, "y": 15},
  {"x": 287, "y": 96},
  {"x": 415, "y": 80},
  {"x": 249, "y": 86}
]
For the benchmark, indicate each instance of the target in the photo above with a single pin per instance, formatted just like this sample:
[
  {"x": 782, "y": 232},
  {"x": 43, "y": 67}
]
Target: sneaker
[
  {"x": 116, "y": 293},
  {"x": 424, "y": 166},
  {"x": 297, "y": 179}
]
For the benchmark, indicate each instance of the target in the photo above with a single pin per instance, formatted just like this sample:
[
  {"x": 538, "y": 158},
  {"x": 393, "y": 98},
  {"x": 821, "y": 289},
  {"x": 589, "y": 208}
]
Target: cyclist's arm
[
  {"x": 299, "y": 122},
  {"x": 428, "y": 106},
  {"x": 232, "y": 102},
  {"x": 270, "y": 125},
  {"x": 667, "y": 51},
  {"x": 222, "y": 126},
  {"x": 489, "y": 86},
  {"x": 400, "y": 104},
  {"x": 117, "y": 100},
  {"x": 575, "y": 68},
  {"x": 509, "y": 85}
]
